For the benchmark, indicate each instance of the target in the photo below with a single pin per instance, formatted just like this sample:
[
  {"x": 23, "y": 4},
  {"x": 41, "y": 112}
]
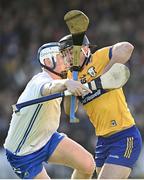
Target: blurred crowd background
[{"x": 26, "y": 25}]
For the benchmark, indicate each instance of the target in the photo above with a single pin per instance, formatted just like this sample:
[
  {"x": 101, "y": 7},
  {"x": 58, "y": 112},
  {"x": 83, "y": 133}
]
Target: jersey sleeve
[
  {"x": 103, "y": 56},
  {"x": 33, "y": 88},
  {"x": 39, "y": 83}
]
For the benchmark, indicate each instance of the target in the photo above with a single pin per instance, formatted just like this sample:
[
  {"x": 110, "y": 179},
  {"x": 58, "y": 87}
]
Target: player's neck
[{"x": 52, "y": 75}]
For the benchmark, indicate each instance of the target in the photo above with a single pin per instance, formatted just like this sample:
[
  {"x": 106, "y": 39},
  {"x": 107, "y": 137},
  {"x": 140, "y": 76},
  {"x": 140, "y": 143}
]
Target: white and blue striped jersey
[{"x": 34, "y": 125}]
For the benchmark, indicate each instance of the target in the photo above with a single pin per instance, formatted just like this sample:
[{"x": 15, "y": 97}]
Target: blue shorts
[
  {"x": 29, "y": 166},
  {"x": 122, "y": 148}
]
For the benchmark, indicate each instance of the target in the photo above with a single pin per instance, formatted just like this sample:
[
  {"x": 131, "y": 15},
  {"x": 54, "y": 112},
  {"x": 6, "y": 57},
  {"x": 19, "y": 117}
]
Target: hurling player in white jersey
[{"x": 32, "y": 137}]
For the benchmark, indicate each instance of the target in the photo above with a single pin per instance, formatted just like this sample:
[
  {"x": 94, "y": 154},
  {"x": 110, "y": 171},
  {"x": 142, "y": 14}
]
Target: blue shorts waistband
[{"x": 120, "y": 134}]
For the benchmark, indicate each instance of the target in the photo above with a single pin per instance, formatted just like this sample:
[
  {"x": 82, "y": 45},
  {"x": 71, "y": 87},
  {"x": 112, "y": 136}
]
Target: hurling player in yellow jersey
[{"x": 119, "y": 141}]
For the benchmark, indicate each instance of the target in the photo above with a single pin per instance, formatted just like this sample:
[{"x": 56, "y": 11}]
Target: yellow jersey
[{"x": 107, "y": 110}]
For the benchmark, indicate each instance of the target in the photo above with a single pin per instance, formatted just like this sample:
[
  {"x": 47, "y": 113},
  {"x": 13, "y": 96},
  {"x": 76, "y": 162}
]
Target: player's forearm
[
  {"x": 121, "y": 53},
  {"x": 74, "y": 87},
  {"x": 54, "y": 87}
]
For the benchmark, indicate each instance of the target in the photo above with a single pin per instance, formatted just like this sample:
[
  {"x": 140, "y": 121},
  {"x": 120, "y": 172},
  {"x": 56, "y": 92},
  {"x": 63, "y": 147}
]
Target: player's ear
[{"x": 47, "y": 62}]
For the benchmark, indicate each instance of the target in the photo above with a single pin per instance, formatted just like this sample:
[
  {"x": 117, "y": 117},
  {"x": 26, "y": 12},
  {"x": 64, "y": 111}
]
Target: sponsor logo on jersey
[{"x": 89, "y": 97}]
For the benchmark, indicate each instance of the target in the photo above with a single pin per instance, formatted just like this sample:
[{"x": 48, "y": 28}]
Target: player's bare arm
[
  {"x": 121, "y": 53},
  {"x": 75, "y": 87}
]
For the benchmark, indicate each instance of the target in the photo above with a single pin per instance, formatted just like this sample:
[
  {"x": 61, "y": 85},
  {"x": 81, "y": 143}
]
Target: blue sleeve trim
[
  {"x": 110, "y": 53},
  {"x": 41, "y": 89}
]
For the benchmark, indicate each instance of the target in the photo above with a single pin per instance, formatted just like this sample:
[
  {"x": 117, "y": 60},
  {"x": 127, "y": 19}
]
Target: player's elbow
[
  {"x": 127, "y": 48},
  {"x": 123, "y": 51},
  {"x": 127, "y": 51}
]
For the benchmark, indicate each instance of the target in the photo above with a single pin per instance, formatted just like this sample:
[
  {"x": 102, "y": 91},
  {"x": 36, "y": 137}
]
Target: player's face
[
  {"x": 60, "y": 64},
  {"x": 68, "y": 55}
]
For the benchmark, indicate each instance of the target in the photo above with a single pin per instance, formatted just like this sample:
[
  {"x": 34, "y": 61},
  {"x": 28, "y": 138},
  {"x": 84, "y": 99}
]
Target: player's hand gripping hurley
[{"x": 77, "y": 23}]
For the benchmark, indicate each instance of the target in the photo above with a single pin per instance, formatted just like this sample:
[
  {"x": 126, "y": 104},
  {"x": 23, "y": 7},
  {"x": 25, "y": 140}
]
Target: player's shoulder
[
  {"x": 103, "y": 53},
  {"x": 102, "y": 50},
  {"x": 39, "y": 79},
  {"x": 41, "y": 76}
]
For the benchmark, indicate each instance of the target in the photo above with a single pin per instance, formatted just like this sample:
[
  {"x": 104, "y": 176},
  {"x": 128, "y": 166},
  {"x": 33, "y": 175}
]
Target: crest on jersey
[
  {"x": 91, "y": 71},
  {"x": 113, "y": 123}
]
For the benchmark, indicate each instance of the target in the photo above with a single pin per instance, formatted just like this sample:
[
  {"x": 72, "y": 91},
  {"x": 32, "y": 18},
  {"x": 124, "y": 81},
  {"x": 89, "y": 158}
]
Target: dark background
[{"x": 26, "y": 25}]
